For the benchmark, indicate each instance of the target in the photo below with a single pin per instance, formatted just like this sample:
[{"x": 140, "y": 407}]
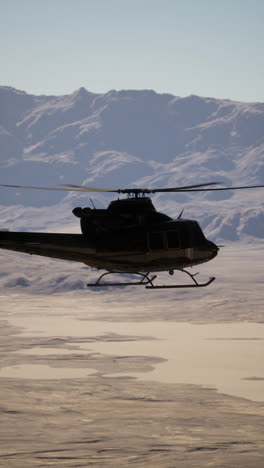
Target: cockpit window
[
  {"x": 197, "y": 233},
  {"x": 185, "y": 237},
  {"x": 188, "y": 234}
]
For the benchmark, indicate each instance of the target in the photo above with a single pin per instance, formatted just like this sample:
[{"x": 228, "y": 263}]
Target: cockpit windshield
[
  {"x": 181, "y": 235},
  {"x": 186, "y": 234},
  {"x": 197, "y": 233}
]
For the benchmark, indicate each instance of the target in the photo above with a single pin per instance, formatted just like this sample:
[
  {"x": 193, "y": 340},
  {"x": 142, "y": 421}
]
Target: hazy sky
[{"x": 206, "y": 47}]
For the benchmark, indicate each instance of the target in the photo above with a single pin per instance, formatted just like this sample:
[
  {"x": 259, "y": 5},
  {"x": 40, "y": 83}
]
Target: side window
[
  {"x": 173, "y": 240},
  {"x": 156, "y": 241},
  {"x": 185, "y": 236}
]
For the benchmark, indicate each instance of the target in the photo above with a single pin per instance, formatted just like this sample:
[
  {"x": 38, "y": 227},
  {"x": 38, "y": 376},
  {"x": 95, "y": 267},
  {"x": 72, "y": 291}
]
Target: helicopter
[{"x": 129, "y": 237}]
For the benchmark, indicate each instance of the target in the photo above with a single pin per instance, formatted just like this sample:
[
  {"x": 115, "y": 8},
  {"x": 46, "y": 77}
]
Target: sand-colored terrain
[
  {"x": 64, "y": 401},
  {"x": 106, "y": 421}
]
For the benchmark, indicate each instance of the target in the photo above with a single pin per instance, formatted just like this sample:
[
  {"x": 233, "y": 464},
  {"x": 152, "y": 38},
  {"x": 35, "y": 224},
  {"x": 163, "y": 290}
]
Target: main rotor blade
[
  {"x": 84, "y": 188},
  {"x": 41, "y": 188},
  {"x": 222, "y": 188},
  {"x": 138, "y": 190},
  {"x": 186, "y": 187}
]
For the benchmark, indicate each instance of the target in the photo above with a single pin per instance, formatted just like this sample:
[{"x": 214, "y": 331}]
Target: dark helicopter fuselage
[{"x": 128, "y": 236}]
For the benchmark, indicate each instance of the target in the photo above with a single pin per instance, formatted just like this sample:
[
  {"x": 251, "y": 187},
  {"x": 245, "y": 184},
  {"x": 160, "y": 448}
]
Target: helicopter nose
[{"x": 212, "y": 248}]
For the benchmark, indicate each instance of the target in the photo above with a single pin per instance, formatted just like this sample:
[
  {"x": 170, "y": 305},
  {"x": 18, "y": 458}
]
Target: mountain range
[{"x": 131, "y": 138}]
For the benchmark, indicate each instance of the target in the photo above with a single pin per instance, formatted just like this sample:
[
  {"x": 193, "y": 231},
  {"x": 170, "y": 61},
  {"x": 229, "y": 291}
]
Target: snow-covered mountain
[{"x": 126, "y": 138}]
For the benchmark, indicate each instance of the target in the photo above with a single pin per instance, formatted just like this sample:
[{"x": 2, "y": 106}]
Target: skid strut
[
  {"x": 144, "y": 280},
  {"x": 147, "y": 281}
]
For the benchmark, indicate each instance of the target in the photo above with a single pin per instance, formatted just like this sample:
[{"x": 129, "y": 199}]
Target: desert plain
[{"x": 134, "y": 377}]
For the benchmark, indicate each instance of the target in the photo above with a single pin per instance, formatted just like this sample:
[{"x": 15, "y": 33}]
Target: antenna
[
  {"x": 180, "y": 215},
  {"x": 92, "y": 203}
]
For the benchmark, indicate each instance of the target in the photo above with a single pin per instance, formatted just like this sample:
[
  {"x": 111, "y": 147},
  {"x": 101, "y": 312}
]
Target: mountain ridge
[{"x": 139, "y": 138}]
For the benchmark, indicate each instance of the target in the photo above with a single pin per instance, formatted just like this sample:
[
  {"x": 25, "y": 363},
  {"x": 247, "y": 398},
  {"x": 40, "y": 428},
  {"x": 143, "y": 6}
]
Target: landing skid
[{"x": 147, "y": 281}]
